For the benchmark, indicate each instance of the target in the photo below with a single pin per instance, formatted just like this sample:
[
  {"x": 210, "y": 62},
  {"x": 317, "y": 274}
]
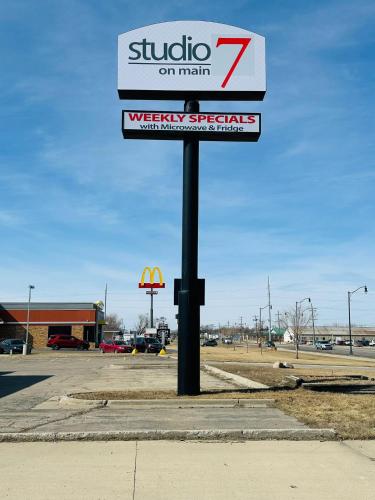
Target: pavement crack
[
  {"x": 135, "y": 467},
  {"x": 357, "y": 451},
  {"x": 60, "y": 419}
]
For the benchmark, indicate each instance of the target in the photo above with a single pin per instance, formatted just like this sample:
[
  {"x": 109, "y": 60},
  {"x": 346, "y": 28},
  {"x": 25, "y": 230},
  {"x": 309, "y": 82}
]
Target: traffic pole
[{"x": 188, "y": 300}]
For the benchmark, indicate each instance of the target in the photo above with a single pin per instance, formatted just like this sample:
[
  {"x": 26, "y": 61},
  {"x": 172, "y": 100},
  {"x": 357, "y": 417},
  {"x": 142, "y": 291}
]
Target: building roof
[
  {"x": 278, "y": 331},
  {"x": 45, "y": 306},
  {"x": 335, "y": 330}
]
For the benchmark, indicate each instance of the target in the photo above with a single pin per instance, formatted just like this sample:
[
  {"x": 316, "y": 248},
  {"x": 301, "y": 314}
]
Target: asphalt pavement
[
  {"x": 342, "y": 350},
  {"x": 31, "y": 389}
]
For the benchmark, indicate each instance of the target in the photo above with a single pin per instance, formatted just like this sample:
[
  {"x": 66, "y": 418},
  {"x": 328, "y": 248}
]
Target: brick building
[{"x": 84, "y": 320}]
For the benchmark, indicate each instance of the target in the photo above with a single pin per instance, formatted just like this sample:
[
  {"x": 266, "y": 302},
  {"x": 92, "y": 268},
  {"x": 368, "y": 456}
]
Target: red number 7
[{"x": 233, "y": 41}]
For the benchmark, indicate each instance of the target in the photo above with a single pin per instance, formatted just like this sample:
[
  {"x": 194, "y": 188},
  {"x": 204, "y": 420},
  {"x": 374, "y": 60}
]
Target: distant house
[{"x": 278, "y": 333}]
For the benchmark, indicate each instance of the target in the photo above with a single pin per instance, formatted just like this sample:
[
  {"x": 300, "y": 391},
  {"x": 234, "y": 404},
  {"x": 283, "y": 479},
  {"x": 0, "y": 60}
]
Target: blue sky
[{"x": 79, "y": 206}]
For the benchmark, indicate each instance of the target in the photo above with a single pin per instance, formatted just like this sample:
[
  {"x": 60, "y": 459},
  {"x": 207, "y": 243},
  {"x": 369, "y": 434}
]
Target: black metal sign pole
[{"x": 188, "y": 300}]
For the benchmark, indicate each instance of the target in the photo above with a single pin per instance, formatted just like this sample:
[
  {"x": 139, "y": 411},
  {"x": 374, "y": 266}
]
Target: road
[{"x": 343, "y": 350}]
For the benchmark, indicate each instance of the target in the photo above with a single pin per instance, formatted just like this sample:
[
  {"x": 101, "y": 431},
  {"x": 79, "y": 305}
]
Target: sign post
[
  {"x": 193, "y": 61},
  {"x": 189, "y": 307}
]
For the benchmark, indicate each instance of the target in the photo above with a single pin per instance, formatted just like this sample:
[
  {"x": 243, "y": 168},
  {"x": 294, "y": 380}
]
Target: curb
[
  {"x": 174, "y": 435},
  {"x": 236, "y": 379},
  {"x": 69, "y": 401},
  {"x": 199, "y": 403}
]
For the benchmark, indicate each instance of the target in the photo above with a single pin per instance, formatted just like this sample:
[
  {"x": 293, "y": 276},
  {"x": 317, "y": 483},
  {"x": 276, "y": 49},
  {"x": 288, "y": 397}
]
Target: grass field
[
  {"x": 254, "y": 355},
  {"x": 275, "y": 376}
]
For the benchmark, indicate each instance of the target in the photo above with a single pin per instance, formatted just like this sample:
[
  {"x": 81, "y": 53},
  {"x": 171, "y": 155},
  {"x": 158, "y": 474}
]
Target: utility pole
[
  {"x": 269, "y": 311},
  {"x": 256, "y": 326}
]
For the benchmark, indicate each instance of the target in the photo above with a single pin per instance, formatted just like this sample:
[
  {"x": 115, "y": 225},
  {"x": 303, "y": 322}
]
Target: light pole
[
  {"x": 350, "y": 324},
  {"x": 25, "y": 346},
  {"x": 296, "y": 333},
  {"x": 313, "y": 321},
  {"x": 255, "y": 319}
]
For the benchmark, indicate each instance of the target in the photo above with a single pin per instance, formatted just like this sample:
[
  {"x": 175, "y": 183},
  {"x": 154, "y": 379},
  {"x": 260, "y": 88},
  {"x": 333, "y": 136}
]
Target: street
[{"x": 342, "y": 350}]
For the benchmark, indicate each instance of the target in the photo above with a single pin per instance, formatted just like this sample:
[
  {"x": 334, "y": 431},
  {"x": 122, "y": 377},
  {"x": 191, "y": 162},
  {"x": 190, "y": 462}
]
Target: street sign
[
  {"x": 201, "y": 126},
  {"x": 191, "y": 60}
]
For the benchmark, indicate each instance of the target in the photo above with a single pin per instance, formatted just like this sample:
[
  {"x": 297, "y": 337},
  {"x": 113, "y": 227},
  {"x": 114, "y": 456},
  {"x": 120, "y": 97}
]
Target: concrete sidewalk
[
  {"x": 32, "y": 388},
  {"x": 185, "y": 471}
]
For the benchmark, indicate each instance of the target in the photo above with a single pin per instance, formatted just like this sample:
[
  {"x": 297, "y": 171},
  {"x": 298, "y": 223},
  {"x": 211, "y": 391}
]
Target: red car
[
  {"x": 114, "y": 346},
  {"x": 59, "y": 341}
]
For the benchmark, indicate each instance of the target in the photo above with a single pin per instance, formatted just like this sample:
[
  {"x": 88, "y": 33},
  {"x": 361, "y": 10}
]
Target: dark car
[
  {"x": 359, "y": 343},
  {"x": 67, "y": 341},
  {"x": 115, "y": 346},
  {"x": 269, "y": 344},
  {"x": 147, "y": 344},
  {"x": 209, "y": 343},
  {"x": 14, "y": 345}
]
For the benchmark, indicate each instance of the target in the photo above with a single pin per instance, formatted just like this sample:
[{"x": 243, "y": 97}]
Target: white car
[{"x": 372, "y": 342}]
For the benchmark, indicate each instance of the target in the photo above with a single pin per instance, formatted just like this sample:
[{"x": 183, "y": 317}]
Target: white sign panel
[
  {"x": 191, "y": 60},
  {"x": 201, "y": 126}
]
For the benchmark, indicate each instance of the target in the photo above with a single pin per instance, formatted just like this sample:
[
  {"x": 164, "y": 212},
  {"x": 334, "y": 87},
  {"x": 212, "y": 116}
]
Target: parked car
[
  {"x": 149, "y": 344},
  {"x": 372, "y": 342},
  {"x": 324, "y": 346},
  {"x": 67, "y": 341},
  {"x": 209, "y": 343},
  {"x": 227, "y": 340},
  {"x": 347, "y": 342},
  {"x": 358, "y": 343},
  {"x": 269, "y": 344},
  {"x": 115, "y": 346},
  {"x": 14, "y": 345}
]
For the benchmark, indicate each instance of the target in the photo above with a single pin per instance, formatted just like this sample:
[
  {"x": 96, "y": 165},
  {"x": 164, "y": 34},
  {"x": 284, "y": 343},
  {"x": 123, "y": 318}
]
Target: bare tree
[
  {"x": 113, "y": 322},
  {"x": 141, "y": 324},
  {"x": 297, "y": 320}
]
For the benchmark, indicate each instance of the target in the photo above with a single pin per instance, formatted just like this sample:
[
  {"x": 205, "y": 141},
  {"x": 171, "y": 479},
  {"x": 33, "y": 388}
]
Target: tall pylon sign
[{"x": 192, "y": 61}]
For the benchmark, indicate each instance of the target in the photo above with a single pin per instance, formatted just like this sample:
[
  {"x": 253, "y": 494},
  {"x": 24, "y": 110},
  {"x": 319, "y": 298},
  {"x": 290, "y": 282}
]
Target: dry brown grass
[
  {"x": 351, "y": 415},
  {"x": 275, "y": 376},
  {"x": 254, "y": 355}
]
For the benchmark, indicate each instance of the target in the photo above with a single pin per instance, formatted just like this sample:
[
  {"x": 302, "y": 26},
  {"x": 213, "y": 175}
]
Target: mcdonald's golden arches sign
[{"x": 151, "y": 283}]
